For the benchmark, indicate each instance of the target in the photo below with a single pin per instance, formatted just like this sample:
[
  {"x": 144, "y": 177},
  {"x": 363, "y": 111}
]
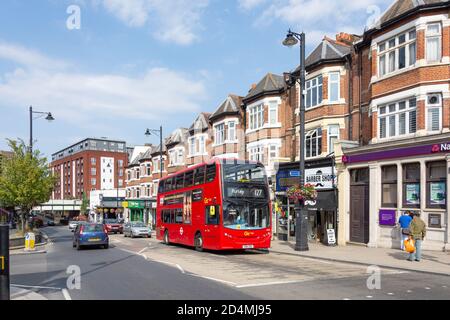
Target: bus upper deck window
[{"x": 210, "y": 173}]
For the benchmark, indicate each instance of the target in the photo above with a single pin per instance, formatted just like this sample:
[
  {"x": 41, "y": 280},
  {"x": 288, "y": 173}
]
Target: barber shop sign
[{"x": 320, "y": 178}]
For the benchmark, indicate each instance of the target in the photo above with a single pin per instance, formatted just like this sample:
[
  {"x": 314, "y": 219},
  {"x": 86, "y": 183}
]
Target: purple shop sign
[
  {"x": 397, "y": 153},
  {"x": 387, "y": 217}
]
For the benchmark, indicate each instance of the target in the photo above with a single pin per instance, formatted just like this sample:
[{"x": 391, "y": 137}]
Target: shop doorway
[{"x": 359, "y": 205}]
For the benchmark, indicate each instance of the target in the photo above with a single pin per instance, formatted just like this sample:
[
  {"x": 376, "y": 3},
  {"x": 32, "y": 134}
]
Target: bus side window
[
  {"x": 161, "y": 186},
  {"x": 179, "y": 181},
  {"x": 188, "y": 179},
  {"x": 179, "y": 216},
  {"x": 172, "y": 216},
  {"x": 210, "y": 173},
  {"x": 199, "y": 176},
  {"x": 166, "y": 216},
  {"x": 212, "y": 215}
]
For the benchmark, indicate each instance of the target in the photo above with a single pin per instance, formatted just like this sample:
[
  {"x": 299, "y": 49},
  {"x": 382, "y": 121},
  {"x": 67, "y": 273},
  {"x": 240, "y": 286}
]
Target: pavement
[
  {"x": 433, "y": 262},
  {"x": 25, "y": 294}
]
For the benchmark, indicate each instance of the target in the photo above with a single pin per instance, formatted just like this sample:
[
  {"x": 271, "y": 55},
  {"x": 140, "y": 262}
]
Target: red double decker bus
[{"x": 219, "y": 205}]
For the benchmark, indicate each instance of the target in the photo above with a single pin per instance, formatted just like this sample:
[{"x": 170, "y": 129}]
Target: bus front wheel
[
  {"x": 198, "y": 242},
  {"x": 166, "y": 237}
]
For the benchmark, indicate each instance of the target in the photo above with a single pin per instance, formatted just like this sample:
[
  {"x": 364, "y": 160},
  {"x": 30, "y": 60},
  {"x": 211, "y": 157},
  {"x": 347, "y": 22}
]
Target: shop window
[
  {"x": 199, "y": 175},
  {"x": 389, "y": 186},
  {"x": 437, "y": 184},
  {"x": 411, "y": 185}
]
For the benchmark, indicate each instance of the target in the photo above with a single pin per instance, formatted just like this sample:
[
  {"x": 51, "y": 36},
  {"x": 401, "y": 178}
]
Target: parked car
[
  {"x": 113, "y": 226},
  {"x": 90, "y": 234},
  {"x": 51, "y": 223},
  {"x": 137, "y": 229}
]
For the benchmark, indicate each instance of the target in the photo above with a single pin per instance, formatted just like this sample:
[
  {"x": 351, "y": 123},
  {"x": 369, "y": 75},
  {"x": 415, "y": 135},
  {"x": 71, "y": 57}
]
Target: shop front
[
  {"x": 109, "y": 208},
  {"x": 381, "y": 182},
  {"x": 322, "y": 217},
  {"x": 141, "y": 211}
]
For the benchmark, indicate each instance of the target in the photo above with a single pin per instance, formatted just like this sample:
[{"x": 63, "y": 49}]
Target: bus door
[{"x": 212, "y": 222}]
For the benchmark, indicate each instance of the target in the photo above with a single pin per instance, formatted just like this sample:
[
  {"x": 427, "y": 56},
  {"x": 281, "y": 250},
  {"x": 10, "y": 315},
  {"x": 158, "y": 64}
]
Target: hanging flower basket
[{"x": 302, "y": 194}]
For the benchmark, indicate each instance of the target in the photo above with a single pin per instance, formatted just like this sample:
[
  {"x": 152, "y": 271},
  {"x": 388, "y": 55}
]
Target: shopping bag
[{"x": 410, "y": 245}]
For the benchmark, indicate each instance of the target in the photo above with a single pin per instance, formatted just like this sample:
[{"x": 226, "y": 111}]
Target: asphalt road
[{"x": 146, "y": 269}]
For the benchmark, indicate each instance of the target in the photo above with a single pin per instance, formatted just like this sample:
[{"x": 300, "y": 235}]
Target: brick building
[
  {"x": 398, "y": 158},
  {"x": 200, "y": 140},
  {"x": 91, "y": 164}
]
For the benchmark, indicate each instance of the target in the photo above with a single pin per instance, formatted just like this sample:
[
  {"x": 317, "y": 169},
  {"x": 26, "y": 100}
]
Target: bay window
[
  {"x": 191, "y": 146},
  {"x": 313, "y": 143},
  {"x": 333, "y": 135},
  {"x": 433, "y": 42},
  {"x": 434, "y": 112},
  {"x": 273, "y": 113},
  {"x": 231, "y": 131},
  {"x": 220, "y": 133},
  {"x": 273, "y": 152},
  {"x": 314, "y": 93},
  {"x": 256, "y": 117},
  {"x": 201, "y": 146},
  {"x": 257, "y": 154},
  {"x": 397, "y": 53},
  {"x": 333, "y": 86},
  {"x": 397, "y": 119}
]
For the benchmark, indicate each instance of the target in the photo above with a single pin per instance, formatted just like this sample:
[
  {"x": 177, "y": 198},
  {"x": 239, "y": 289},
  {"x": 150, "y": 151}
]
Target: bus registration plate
[{"x": 247, "y": 246}]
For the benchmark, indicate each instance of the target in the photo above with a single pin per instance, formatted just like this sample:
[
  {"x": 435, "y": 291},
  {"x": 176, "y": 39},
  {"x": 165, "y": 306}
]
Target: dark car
[
  {"x": 90, "y": 234},
  {"x": 51, "y": 223},
  {"x": 113, "y": 226}
]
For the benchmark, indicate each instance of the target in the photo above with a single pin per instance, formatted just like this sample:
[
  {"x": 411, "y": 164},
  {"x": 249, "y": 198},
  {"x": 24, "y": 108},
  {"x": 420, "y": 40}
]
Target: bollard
[
  {"x": 4, "y": 263},
  {"x": 30, "y": 241}
]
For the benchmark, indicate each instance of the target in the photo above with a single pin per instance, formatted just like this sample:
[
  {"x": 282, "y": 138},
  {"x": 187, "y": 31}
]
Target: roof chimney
[{"x": 345, "y": 38}]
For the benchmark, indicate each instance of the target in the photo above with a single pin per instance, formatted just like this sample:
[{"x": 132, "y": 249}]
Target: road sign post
[{"x": 4, "y": 263}]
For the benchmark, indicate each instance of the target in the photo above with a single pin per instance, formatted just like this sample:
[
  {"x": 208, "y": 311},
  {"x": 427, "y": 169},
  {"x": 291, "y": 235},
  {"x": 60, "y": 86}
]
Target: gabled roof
[
  {"x": 147, "y": 155},
  {"x": 271, "y": 83},
  {"x": 156, "y": 149},
  {"x": 231, "y": 105},
  {"x": 201, "y": 123},
  {"x": 136, "y": 160},
  {"x": 327, "y": 50},
  {"x": 400, "y": 7},
  {"x": 178, "y": 136}
]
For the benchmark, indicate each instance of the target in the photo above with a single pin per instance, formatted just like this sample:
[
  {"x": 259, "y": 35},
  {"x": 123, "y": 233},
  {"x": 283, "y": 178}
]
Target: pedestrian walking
[
  {"x": 418, "y": 232},
  {"x": 404, "y": 223}
]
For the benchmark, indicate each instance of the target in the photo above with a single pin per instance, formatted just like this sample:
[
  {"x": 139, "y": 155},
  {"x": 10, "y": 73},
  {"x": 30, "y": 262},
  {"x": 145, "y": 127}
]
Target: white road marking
[
  {"x": 369, "y": 297},
  {"x": 409, "y": 291},
  {"x": 444, "y": 286},
  {"x": 346, "y": 299},
  {"x": 180, "y": 268},
  {"x": 66, "y": 294},
  {"x": 426, "y": 288},
  {"x": 390, "y": 294},
  {"x": 142, "y": 251}
]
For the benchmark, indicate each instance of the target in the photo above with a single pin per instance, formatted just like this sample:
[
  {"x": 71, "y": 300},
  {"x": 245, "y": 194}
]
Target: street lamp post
[
  {"x": 48, "y": 117},
  {"x": 159, "y": 132},
  {"x": 301, "y": 230}
]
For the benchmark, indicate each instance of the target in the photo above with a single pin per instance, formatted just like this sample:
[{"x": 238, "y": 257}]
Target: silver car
[
  {"x": 73, "y": 225},
  {"x": 136, "y": 229}
]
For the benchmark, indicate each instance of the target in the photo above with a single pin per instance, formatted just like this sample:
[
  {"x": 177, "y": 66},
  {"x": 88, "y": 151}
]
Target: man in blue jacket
[{"x": 404, "y": 222}]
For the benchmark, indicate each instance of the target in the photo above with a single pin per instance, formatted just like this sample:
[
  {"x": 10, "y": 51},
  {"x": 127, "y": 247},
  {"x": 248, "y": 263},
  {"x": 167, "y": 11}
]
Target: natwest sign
[{"x": 443, "y": 147}]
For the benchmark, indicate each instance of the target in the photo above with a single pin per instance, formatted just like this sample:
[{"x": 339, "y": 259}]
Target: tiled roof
[
  {"x": 400, "y": 7},
  {"x": 269, "y": 84},
  {"x": 231, "y": 105},
  {"x": 178, "y": 136},
  {"x": 328, "y": 49},
  {"x": 201, "y": 123}
]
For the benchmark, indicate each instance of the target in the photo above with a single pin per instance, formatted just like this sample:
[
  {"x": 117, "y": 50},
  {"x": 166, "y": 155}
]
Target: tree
[
  {"x": 84, "y": 205},
  {"x": 26, "y": 180}
]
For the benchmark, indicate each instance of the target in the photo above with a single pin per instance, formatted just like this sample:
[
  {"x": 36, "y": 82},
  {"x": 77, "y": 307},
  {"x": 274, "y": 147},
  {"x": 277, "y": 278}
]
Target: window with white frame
[
  {"x": 314, "y": 92},
  {"x": 334, "y": 86},
  {"x": 148, "y": 169},
  {"x": 93, "y": 171},
  {"x": 93, "y": 181},
  {"x": 138, "y": 193},
  {"x": 192, "y": 146},
  {"x": 273, "y": 151},
  {"x": 333, "y": 135},
  {"x": 201, "y": 144},
  {"x": 397, "y": 53},
  {"x": 434, "y": 112},
  {"x": 155, "y": 188},
  {"x": 257, "y": 154},
  {"x": 273, "y": 113},
  {"x": 220, "y": 133},
  {"x": 180, "y": 156},
  {"x": 120, "y": 183},
  {"x": 256, "y": 117},
  {"x": 397, "y": 119},
  {"x": 313, "y": 143},
  {"x": 231, "y": 131},
  {"x": 172, "y": 157},
  {"x": 434, "y": 42}
]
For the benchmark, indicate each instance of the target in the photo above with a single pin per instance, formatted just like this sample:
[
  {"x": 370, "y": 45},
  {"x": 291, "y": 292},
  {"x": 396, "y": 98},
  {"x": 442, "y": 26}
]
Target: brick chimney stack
[{"x": 345, "y": 38}]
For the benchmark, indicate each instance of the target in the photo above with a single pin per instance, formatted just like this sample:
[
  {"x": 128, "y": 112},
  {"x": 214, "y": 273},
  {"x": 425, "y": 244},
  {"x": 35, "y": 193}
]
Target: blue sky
[{"x": 135, "y": 64}]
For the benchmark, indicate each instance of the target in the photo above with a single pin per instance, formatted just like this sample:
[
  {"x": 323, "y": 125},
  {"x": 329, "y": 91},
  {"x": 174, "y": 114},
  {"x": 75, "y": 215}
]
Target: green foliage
[
  {"x": 84, "y": 205},
  {"x": 26, "y": 180}
]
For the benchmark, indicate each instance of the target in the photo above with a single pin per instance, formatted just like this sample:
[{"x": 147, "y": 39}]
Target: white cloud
[
  {"x": 329, "y": 16},
  {"x": 174, "y": 21},
  {"x": 75, "y": 96},
  {"x": 250, "y": 4}
]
